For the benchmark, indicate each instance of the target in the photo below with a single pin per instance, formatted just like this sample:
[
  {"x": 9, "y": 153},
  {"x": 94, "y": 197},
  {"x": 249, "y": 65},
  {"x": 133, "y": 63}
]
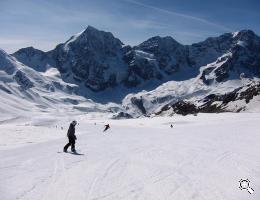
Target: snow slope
[
  {"x": 136, "y": 159},
  {"x": 24, "y": 91},
  {"x": 174, "y": 91}
]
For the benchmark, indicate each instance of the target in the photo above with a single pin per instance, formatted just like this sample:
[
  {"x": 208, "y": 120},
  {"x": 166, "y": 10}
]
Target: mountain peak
[
  {"x": 91, "y": 29},
  {"x": 28, "y": 50},
  {"x": 4, "y": 55},
  {"x": 2, "y": 52},
  {"x": 91, "y": 36},
  {"x": 7, "y": 62},
  {"x": 157, "y": 42},
  {"x": 244, "y": 34}
]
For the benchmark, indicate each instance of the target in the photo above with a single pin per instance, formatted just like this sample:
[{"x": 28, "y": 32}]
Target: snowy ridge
[
  {"x": 24, "y": 90},
  {"x": 193, "y": 90},
  {"x": 34, "y": 58},
  {"x": 72, "y": 39},
  {"x": 99, "y": 61},
  {"x": 95, "y": 65}
]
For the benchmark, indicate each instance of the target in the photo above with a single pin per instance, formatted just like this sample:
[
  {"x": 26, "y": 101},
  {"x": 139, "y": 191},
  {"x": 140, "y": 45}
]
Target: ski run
[{"x": 201, "y": 157}]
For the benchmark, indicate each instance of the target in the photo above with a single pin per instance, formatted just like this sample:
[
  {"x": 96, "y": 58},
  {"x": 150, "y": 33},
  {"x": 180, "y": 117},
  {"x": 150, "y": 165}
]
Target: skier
[
  {"x": 72, "y": 137},
  {"x": 171, "y": 126},
  {"x": 106, "y": 127}
]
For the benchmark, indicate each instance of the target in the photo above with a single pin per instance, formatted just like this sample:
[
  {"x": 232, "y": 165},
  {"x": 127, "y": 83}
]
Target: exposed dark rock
[
  {"x": 122, "y": 115},
  {"x": 181, "y": 107},
  {"x": 23, "y": 80},
  {"x": 214, "y": 103},
  {"x": 139, "y": 104},
  {"x": 249, "y": 93}
]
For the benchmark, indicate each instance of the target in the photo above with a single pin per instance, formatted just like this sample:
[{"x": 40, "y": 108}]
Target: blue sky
[{"x": 45, "y": 23}]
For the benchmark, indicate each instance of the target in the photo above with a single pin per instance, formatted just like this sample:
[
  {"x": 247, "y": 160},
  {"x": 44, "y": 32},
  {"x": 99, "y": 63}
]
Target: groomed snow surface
[{"x": 202, "y": 157}]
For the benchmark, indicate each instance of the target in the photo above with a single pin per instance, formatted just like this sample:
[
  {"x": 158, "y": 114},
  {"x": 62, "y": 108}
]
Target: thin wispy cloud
[
  {"x": 178, "y": 14},
  {"x": 146, "y": 24}
]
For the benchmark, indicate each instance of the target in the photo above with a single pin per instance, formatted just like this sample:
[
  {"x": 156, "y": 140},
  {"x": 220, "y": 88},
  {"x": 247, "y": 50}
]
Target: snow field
[{"x": 201, "y": 157}]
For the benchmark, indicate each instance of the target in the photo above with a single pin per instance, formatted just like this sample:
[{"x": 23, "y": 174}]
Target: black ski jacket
[{"x": 71, "y": 132}]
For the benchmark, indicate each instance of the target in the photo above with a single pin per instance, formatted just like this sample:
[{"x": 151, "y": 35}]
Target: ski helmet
[{"x": 74, "y": 122}]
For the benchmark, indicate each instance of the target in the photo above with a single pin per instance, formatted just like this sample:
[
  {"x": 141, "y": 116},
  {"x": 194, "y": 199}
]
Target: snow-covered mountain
[
  {"x": 241, "y": 58},
  {"x": 228, "y": 83},
  {"x": 100, "y": 61},
  {"x": 96, "y": 62},
  {"x": 24, "y": 90},
  {"x": 193, "y": 96},
  {"x": 34, "y": 58}
]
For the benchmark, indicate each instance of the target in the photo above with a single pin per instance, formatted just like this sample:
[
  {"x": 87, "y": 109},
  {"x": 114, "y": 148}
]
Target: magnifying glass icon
[{"x": 244, "y": 184}]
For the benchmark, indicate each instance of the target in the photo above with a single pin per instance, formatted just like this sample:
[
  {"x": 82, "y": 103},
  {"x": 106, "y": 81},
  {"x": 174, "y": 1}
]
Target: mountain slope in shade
[
  {"x": 34, "y": 58},
  {"x": 92, "y": 57},
  {"x": 242, "y": 59}
]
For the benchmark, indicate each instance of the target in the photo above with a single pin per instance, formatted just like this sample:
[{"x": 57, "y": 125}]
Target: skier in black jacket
[
  {"x": 106, "y": 127},
  {"x": 71, "y": 136}
]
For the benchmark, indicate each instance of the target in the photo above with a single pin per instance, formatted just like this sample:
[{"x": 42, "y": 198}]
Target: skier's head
[{"x": 74, "y": 122}]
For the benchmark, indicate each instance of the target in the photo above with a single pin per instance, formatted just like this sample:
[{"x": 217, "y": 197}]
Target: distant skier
[
  {"x": 106, "y": 127},
  {"x": 171, "y": 126},
  {"x": 71, "y": 136}
]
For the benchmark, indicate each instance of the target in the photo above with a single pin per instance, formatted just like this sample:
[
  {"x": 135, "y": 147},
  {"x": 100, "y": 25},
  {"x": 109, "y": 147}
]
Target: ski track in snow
[{"x": 138, "y": 159}]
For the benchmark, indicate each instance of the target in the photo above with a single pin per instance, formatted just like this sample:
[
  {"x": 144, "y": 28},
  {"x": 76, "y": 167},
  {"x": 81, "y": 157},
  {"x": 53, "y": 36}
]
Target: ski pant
[{"x": 71, "y": 143}]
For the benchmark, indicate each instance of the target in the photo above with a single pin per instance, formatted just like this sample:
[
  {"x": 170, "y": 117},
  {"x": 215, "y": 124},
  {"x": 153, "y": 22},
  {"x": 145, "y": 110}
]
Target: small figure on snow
[
  {"x": 71, "y": 136},
  {"x": 106, "y": 127},
  {"x": 171, "y": 126}
]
